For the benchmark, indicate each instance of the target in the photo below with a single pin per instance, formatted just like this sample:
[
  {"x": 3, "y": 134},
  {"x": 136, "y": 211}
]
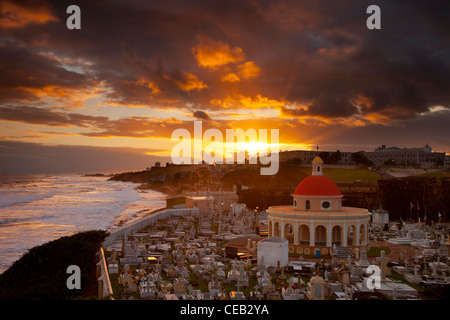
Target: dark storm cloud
[
  {"x": 25, "y": 72},
  {"x": 403, "y": 68},
  {"x": 201, "y": 115},
  {"x": 94, "y": 126},
  {"x": 325, "y": 106},
  {"x": 43, "y": 116}
]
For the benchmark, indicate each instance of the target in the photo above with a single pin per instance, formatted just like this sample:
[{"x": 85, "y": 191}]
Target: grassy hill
[
  {"x": 350, "y": 175},
  {"x": 289, "y": 175},
  {"x": 40, "y": 274}
]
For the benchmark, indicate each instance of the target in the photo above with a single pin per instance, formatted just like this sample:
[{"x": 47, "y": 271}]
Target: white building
[
  {"x": 381, "y": 217},
  {"x": 204, "y": 204},
  {"x": 273, "y": 250}
]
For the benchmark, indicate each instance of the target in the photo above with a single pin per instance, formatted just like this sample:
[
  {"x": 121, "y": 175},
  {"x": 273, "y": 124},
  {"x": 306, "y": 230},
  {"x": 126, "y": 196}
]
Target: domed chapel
[{"x": 317, "y": 220}]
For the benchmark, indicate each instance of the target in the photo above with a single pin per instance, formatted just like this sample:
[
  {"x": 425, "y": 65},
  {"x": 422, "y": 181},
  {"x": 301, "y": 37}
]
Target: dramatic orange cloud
[
  {"x": 190, "y": 82},
  {"x": 241, "y": 101},
  {"x": 230, "y": 77},
  {"x": 249, "y": 70},
  {"x": 214, "y": 54},
  {"x": 14, "y": 15}
]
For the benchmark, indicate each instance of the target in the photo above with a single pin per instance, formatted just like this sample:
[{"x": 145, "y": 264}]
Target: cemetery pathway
[{"x": 395, "y": 250}]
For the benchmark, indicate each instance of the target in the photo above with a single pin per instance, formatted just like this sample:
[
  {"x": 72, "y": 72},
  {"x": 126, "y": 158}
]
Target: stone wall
[
  {"x": 139, "y": 224},
  {"x": 395, "y": 195}
]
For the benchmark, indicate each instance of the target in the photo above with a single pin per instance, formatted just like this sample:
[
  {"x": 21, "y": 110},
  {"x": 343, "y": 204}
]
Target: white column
[
  {"x": 329, "y": 234},
  {"x": 345, "y": 234},
  {"x": 273, "y": 228},
  {"x": 295, "y": 233},
  {"x": 357, "y": 234},
  {"x": 311, "y": 234},
  {"x": 366, "y": 240}
]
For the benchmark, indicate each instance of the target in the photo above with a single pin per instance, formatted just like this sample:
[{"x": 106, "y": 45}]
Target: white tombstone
[
  {"x": 233, "y": 274},
  {"x": 363, "y": 261},
  {"x": 113, "y": 268},
  {"x": 317, "y": 288}
]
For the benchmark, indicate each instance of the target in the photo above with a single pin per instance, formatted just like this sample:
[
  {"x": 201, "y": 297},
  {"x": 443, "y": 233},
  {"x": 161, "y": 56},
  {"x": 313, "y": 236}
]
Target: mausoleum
[
  {"x": 273, "y": 251},
  {"x": 317, "y": 220}
]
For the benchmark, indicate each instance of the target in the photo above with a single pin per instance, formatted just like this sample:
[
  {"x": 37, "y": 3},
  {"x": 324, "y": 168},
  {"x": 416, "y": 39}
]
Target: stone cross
[{"x": 383, "y": 264}]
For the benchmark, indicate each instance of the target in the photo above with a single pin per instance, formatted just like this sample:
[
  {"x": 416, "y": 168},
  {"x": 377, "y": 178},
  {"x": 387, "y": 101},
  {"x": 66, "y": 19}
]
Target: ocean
[{"x": 35, "y": 209}]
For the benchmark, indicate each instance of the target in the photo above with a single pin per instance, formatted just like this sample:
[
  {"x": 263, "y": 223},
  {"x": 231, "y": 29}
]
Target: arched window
[
  {"x": 295, "y": 203},
  {"x": 318, "y": 168},
  {"x": 307, "y": 205}
]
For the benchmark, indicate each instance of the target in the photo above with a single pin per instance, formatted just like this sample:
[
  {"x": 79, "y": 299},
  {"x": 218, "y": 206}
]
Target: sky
[{"x": 109, "y": 95}]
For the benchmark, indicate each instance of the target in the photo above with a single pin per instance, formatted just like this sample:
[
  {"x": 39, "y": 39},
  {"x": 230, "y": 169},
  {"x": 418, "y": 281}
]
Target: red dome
[{"x": 317, "y": 186}]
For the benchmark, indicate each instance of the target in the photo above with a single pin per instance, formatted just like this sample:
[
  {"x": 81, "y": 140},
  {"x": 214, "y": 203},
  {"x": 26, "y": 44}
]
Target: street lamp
[{"x": 256, "y": 221}]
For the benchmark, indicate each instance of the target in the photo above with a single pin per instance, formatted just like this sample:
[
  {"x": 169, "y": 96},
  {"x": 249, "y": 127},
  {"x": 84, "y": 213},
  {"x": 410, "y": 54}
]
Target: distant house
[
  {"x": 423, "y": 156},
  {"x": 204, "y": 204}
]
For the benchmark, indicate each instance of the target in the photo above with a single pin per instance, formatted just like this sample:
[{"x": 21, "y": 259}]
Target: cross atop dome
[{"x": 317, "y": 166}]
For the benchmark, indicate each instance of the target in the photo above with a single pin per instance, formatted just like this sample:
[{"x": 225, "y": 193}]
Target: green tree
[{"x": 360, "y": 158}]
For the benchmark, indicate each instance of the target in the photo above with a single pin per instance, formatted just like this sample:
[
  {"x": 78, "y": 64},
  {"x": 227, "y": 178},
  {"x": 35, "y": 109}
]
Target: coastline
[
  {"x": 66, "y": 216},
  {"x": 140, "y": 188},
  {"x": 168, "y": 191}
]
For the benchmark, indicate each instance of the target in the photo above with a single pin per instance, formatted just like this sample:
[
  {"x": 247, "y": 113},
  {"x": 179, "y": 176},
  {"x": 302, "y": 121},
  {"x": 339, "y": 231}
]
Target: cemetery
[
  {"x": 172, "y": 258},
  {"x": 314, "y": 250}
]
